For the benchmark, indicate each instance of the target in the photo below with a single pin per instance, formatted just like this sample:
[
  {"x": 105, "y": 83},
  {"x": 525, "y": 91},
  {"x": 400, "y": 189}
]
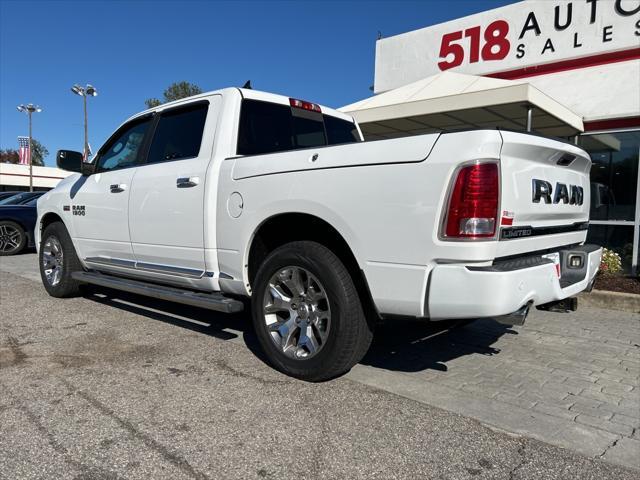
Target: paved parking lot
[
  {"x": 120, "y": 386},
  {"x": 567, "y": 379}
]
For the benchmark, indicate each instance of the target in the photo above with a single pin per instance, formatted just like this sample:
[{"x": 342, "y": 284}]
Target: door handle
[
  {"x": 187, "y": 182},
  {"x": 118, "y": 187}
]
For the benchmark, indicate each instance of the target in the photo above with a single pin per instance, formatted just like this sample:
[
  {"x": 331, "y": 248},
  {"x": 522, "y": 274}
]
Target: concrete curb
[{"x": 625, "y": 302}]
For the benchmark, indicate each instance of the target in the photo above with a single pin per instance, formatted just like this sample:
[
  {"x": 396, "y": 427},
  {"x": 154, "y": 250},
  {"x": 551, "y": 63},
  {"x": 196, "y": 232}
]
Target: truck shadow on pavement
[
  {"x": 223, "y": 326},
  {"x": 417, "y": 345},
  {"x": 405, "y": 345}
]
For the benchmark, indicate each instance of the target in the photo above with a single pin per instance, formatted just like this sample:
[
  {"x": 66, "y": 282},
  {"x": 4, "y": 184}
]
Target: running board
[{"x": 211, "y": 301}]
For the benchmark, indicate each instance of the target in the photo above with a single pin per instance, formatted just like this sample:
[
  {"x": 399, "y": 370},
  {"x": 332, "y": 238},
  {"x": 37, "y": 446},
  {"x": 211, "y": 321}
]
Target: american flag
[
  {"x": 87, "y": 154},
  {"x": 24, "y": 152}
]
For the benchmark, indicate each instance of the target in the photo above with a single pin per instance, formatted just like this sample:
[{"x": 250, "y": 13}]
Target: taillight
[
  {"x": 304, "y": 105},
  {"x": 473, "y": 205}
]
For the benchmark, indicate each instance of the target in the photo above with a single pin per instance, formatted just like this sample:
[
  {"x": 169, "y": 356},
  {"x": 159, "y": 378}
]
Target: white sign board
[{"x": 511, "y": 39}]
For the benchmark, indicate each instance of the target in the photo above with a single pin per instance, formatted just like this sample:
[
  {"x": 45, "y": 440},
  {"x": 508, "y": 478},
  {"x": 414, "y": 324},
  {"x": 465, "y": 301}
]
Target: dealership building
[
  {"x": 15, "y": 178},
  {"x": 568, "y": 69}
]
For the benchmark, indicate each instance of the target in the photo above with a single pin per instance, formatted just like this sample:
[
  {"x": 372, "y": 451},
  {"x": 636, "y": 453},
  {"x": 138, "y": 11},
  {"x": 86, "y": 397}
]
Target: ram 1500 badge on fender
[{"x": 239, "y": 193}]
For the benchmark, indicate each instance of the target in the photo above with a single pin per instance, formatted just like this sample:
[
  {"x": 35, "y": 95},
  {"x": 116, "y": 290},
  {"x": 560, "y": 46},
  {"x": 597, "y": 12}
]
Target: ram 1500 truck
[{"x": 239, "y": 194}]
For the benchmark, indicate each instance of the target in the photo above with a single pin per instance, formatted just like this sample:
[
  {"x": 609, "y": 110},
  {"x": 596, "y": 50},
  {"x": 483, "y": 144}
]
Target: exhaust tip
[{"x": 566, "y": 305}]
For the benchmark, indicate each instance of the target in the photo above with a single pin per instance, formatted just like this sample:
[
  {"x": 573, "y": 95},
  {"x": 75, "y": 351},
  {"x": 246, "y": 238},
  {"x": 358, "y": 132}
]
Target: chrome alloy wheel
[
  {"x": 297, "y": 312},
  {"x": 10, "y": 238},
  {"x": 52, "y": 260}
]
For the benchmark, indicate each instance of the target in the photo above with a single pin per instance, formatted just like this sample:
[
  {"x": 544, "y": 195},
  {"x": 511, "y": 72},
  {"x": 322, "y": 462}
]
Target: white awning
[{"x": 452, "y": 101}]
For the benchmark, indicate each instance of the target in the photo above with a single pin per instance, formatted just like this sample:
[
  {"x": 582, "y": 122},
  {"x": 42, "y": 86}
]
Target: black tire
[
  {"x": 13, "y": 239},
  {"x": 349, "y": 335},
  {"x": 66, "y": 286}
]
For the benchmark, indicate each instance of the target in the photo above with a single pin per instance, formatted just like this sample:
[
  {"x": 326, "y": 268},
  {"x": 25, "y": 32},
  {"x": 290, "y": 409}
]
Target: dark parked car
[
  {"x": 20, "y": 198},
  {"x": 4, "y": 195},
  {"x": 16, "y": 226}
]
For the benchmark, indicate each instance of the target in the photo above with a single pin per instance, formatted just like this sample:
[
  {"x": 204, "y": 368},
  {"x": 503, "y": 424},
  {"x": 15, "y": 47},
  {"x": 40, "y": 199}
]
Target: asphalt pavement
[{"x": 114, "y": 386}]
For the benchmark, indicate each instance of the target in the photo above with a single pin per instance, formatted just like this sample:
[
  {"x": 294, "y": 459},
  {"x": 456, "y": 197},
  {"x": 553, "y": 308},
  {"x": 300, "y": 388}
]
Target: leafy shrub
[{"x": 611, "y": 262}]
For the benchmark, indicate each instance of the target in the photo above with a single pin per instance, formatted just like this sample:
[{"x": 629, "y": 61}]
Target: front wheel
[
  {"x": 307, "y": 313},
  {"x": 58, "y": 260},
  {"x": 12, "y": 238}
]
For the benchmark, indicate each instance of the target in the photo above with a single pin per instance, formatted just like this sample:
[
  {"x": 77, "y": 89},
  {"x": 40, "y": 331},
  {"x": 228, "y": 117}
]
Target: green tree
[
  {"x": 175, "y": 91},
  {"x": 39, "y": 152},
  {"x": 9, "y": 155}
]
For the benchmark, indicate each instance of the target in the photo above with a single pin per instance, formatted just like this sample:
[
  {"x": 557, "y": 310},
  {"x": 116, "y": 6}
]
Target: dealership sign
[{"x": 512, "y": 39}]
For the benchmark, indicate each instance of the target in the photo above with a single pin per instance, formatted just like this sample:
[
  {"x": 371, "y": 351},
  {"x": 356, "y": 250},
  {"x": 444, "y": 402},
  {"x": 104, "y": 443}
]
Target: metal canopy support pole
[
  {"x": 636, "y": 227},
  {"x": 529, "y": 118}
]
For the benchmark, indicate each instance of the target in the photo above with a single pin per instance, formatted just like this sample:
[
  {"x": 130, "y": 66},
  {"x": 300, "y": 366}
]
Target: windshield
[
  {"x": 16, "y": 199},
  {"x": 31, "y": 203},
  {"x": 21, "y": 198}
]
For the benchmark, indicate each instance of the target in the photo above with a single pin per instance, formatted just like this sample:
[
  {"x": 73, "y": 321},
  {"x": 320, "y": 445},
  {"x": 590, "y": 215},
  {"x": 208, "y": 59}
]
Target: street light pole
[
  {"x": 86, "y": 130},
  {"x": 30, "y": 155},
  {"x": 29, "y": 109},
  {"x": 89, "y": 90}
]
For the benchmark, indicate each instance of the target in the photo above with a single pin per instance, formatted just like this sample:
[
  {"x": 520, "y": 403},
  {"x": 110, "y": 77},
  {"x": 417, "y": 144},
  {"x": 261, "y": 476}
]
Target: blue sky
[{"x": 132, "y": 50}]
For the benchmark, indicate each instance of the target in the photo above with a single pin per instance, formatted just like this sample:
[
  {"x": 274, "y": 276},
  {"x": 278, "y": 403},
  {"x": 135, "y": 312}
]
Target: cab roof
[{"x": 245, "y": 93}]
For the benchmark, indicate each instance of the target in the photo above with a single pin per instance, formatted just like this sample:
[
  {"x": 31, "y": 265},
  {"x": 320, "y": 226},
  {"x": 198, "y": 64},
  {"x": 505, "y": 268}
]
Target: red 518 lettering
[{"x": 496, "y": 45}]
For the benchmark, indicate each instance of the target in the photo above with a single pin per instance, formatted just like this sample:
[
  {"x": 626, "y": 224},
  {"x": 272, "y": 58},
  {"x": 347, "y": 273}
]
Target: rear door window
[
  {"x": 264, "y": 128},
  {"x": 178, "y": 134}
]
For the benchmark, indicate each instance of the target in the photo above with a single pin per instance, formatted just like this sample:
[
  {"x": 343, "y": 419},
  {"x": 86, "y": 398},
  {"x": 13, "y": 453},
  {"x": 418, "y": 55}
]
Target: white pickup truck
[{"x": 238, "y": 193}]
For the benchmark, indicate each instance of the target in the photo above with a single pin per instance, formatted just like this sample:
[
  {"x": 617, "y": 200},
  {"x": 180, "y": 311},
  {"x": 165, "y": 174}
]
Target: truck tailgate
[{"x": 545, "y": 193}]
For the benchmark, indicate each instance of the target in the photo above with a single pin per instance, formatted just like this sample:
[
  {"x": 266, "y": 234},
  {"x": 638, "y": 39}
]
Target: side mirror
[
  {"x": 69, "y": 160},
  {"x": 72, "y": 162}
]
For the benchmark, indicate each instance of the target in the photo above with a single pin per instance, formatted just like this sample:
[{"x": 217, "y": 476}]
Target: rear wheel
[
  {"x": 58, "y": 260},
  {"x": 307, "y": 313},
  {"x": 12, "y": 238}
]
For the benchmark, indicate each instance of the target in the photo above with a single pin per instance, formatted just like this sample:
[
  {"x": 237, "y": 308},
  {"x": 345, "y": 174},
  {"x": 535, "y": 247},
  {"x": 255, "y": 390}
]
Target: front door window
[{"x": 123, "y": 150}]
